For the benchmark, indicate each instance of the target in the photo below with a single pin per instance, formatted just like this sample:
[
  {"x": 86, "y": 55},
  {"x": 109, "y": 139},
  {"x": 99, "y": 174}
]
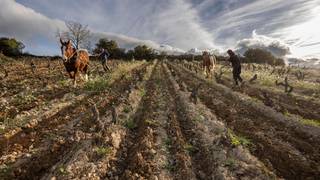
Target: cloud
[
  {"x": 22, "y": 22},
  {"x": 27, "y": 25},
  {"x": 38, "y": 31},
  {"x": 172, "y": 25},
  {"x": 232, "y": 20},
  {"x": 311, "y": 63},
  {"x": 130, "y": 42},
  {"x": 172, "y": 22},
  {"x": 273, "y": 45}
]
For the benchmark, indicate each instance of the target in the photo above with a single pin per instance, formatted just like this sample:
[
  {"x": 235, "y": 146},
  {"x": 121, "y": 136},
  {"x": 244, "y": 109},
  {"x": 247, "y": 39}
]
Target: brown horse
[
  {"x": 74, "y": 60},
  {"x": 208, "y": 63}
]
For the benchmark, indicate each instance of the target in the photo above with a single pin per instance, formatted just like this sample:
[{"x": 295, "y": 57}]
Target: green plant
[
  {"x": 99, "y": 84},
  {"x": 102, "y": 151},
  {"x": 311, "y": 122},
  {"x": 238, "y": 140},
  {"x": 168, "y": 143},
  {"x": 190, "y": 148},
  {"x": 169, "y": 166},
  {"x": 24, "y": 99},
  {"x": 198, "y": 118},
  {"x": 286, "y": 113},
  {"x": 4, "y": 169},
  {"x": 230, "y": 162},
  {"x": 63, "y": 82},
  {"x": 126, "y": 109},
  {"x": 130, "y": 124},
  {"x": 62, "y": 170},
  {"x": 151, "y": 122},
  {"x": 142, "y": 92}
]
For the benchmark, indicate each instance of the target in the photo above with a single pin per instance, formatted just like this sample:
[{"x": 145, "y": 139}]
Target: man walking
[
  {"x": 104, "y": 59},
  {"x": 236, "y": 66}
]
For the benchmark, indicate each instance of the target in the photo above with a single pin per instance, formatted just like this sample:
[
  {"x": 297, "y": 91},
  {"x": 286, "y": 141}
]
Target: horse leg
[
  {"x": 74, "y": 78},
  {"x": 85, "y": 70},
  {"x": 70, "y": 75}
]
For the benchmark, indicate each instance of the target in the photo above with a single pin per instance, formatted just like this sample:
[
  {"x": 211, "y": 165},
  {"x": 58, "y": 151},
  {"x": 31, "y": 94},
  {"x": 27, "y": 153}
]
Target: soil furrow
[
  {"x": 54, "y": 151},
  {"x": 280, "y": 101},
  {"x": 153, "y": 149},
  {"x": 214, "y": 156},
  {"x": 92, "y": 160},
  {"x": 267, "y": 129},
  {"x": 50, "y": 122}
]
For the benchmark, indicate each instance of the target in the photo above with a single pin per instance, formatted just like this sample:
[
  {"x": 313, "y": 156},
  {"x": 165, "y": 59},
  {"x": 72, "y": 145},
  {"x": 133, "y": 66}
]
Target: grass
[
  {"x": 24, "y": 99},
  {"x": 103, "y": 151},
  {"x": 169, "y": 166},
  {"x": 151, "y": 122},
  {"x": 230, "y": 162},
  {"x": 123, "y": 69},
  {"x": 130, "y": 124},
  {"x": 126, "y": 109},
  {"x": 62, "y": 170},
  {"x": 189, "y": 148},
  {"x": 286, "y": 113},
  {"x": 311, "y": 122},
  {"x": 142, "y": 92},
  {"x": 2, "y": 128},
  {"x": 168, "y": 143},
  {"x": 198, "y": 118},
  {"x": 99, "y": 84},
  {"x": 4, "y": 169},
  {"x": 238, "y": 140},
  {"x": 63, "y": 82}
]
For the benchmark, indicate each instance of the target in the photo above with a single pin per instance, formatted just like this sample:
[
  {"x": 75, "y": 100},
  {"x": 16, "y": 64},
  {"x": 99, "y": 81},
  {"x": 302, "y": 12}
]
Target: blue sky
[{"x": 286, "y": 27}]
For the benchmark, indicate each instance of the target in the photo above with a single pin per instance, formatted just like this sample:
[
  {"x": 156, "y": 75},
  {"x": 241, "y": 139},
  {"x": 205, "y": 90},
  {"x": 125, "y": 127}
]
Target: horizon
[{"x": 286, "y": 29}]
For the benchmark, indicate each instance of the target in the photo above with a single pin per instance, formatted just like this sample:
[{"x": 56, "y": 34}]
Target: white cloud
[
  {"x": 273, "y": 45},
  {"x": 24, "y": 23},
  {"x": 185, "y": 24},
  {"x": 27, "y": 25},
  {"x": 172, "y": 22},
  {"x": 130, "y": 42}
]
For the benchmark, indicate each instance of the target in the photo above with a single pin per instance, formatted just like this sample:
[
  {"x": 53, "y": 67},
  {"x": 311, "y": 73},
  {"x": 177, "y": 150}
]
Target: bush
[
  {"x": 11, "y": 47},
  {"x": 261, "y": 56}
]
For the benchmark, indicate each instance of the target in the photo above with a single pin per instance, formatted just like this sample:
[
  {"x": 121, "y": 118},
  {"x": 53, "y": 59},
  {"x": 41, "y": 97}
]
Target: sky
[{"x": 287, "y": 28}]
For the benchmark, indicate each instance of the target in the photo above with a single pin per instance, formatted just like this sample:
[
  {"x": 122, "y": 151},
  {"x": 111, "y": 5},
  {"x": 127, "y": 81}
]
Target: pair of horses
[
  {"x": 208, "y": 63},
  {"x": 75, "y": 61}
]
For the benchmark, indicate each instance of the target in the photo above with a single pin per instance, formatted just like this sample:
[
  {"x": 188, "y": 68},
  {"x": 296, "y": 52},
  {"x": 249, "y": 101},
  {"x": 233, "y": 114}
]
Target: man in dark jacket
[
  {"x": 236, "y": 66},
  {"x": 104, "y": 59}
]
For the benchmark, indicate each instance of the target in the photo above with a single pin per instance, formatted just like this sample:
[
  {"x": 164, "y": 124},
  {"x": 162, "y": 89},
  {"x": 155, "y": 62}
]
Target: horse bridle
[{"x": 67, "y": 58}]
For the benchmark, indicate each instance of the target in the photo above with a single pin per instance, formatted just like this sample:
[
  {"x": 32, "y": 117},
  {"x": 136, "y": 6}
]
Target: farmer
[
  {"x": 236, "y": 66},
  {"x": 104, "y": 58}
]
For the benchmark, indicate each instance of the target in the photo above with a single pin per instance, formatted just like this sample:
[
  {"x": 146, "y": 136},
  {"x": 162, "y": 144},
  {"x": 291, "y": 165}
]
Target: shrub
[
  {"x": 11, "y": 47},
  {"x": 262, "y": 56}
]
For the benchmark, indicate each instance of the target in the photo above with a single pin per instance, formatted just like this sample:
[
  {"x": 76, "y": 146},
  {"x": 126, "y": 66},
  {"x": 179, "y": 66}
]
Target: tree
[
  {"x": 262, "y": 56},
  {"x": 77, "y": 33},
  {"x": 11, "y": 47},
  {"x": 104, "y": 43},
  {"x": 111, "y": 46},
  {"x": 143, "y": 52}
]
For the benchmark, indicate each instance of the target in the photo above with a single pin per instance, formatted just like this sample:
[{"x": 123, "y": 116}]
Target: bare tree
[{"x": 78, "y": 34}]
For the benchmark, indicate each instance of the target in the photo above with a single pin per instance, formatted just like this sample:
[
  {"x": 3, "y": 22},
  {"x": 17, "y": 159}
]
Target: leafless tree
[{"x": 78, "y": 34}]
